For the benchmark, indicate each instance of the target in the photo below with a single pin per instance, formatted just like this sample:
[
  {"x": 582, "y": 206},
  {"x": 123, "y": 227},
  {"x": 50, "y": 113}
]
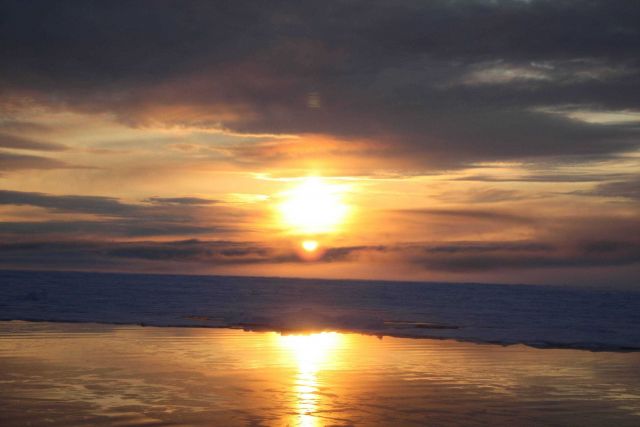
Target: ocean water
[
  {"x": 537, "y": 316},
  {"x": 83, "y": 374}
]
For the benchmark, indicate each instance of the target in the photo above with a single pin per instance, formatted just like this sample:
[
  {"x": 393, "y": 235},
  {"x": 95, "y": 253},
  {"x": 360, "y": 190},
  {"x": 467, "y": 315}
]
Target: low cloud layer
[
  {"x": 16, "y": 142},
  {"x": 64, "y": 203},
  {"x": 629, "y": 189},
  {"x": 181, "y": 201},
  {"x": 114, "y": 218},
  {"x": 119, "y": 238},
  {"x": 13, "y": 162},
  {"x": 456, "y": 258}
]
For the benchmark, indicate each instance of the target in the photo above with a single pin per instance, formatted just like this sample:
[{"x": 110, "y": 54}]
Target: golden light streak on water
[{"x": 311, "y": 352}]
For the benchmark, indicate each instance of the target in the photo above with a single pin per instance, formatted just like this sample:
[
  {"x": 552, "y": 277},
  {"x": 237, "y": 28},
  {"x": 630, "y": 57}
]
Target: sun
[
  {"x": 313, "y": 207},
  {"x": 309, "y": 245}
]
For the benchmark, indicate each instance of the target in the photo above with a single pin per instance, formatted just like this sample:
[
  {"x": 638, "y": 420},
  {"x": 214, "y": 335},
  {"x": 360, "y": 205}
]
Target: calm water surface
[{"x": 85, "y": 374}]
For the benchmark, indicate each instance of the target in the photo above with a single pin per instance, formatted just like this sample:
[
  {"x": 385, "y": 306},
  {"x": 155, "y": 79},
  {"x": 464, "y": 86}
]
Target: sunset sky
[{"x": 476, "y": 141}]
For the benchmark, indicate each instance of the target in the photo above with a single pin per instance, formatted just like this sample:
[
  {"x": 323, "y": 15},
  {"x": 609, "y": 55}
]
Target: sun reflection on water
[{"x": 312, "y": 353}]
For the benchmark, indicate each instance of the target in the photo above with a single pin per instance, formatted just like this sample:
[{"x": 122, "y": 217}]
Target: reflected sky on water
[{"x": 84, "y": 374}]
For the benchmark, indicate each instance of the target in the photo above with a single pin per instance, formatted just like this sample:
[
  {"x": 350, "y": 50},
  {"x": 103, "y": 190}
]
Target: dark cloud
[
  {"x": 545, "y": 177},
  {"x": 106, "y": 229},
  {"x": 539, "y": 255},
  {"x": 437, "y": 84},
  {"x": 23, "y": 126},
  {"x": 173, "y": 217},
  {"x": 581, "y": 241},
  {"x": 471, "y": 214},
  {"x": 486, "y": 195},
  {"x": 108, "y": 206},
  {"x": 12, "y": 162},
  {"x": 81, "y": 204},
  {"x": 91, "y": 254},
  {"x": 181, "y": 201},
  {"x": 560, "y": 243},
  {"x": 349, "y": 253},
  {"x": 457, "y": 257},
  {"x": 629, "y": 189},
  {"x": 474, "y": 257},
  {"x": 484, "y": 247},
  {"x": 18, "y": 143},
  {"x": 216, "y": 253}
]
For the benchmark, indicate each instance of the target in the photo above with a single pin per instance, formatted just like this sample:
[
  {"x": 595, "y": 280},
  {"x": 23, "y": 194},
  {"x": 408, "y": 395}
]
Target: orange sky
[{"x": 431, "y": 161}]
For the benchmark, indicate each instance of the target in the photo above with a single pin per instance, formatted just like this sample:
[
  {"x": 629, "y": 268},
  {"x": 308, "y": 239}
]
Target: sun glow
[
  {"x": 309, "y": 245},
  {"x": 314, "y": 207}
]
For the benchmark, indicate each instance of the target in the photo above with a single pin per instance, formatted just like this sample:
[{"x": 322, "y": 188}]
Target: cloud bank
[{"x": 439, "y": 84}]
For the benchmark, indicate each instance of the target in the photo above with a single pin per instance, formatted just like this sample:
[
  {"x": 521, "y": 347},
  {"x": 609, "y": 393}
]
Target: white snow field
[{"x": 538, "y": 316}]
